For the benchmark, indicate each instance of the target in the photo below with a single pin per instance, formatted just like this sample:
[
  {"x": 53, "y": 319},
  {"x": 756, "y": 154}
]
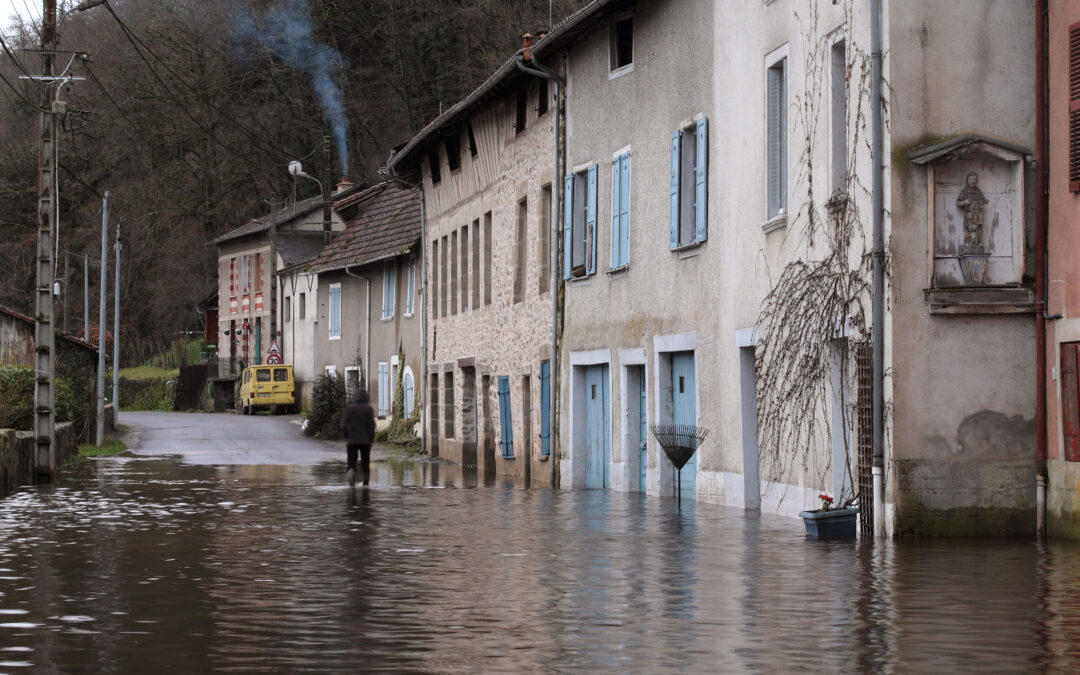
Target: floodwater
[{"x": 150, "y": 565}]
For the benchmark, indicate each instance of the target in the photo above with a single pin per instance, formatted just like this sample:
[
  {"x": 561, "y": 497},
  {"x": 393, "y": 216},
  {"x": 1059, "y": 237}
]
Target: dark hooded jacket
[{"x": 358, "y": 420}]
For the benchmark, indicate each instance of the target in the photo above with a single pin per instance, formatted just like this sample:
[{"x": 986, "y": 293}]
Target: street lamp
[{"x": 296, "y": 169}]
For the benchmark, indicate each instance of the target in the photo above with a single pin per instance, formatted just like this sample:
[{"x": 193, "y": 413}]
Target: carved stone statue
[{"x": 972, "y": 203}]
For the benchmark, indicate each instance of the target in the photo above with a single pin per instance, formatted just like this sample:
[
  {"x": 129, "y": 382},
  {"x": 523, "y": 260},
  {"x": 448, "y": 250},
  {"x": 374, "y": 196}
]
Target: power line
[{"x": 136, "y": 41}]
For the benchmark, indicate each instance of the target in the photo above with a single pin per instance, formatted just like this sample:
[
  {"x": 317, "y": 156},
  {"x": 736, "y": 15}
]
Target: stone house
[
  {"x": 486, "y": 171},
  {"x": 367, "y": 304},
  {"x": 76, "y": 363},
  {"x": 1062, "y": 180},
  {"x": 247, "y": 318}
]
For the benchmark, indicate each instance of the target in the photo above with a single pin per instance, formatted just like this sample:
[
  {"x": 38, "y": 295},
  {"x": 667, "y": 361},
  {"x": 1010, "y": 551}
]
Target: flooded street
[{"x": 148, "y": 564}]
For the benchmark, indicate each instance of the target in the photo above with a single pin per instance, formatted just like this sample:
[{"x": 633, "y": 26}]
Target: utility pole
[
  {"x": 273, "y": 275},
  {"x": 67, "y": 266},
  {"x": 116, "y": 334},
  {"x": 99, "y": 434},
  {"x": 86, "y": 297},
  {"x": 327, "y": 179},
  {"x": 44, "y": 328}
]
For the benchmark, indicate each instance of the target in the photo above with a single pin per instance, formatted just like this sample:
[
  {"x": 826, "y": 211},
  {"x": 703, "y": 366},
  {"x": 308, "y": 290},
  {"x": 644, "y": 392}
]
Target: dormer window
[
  {"x": 453, "y": 152},
  {"x": 622, "y": 44},
  {"x": 433, "y": 165},
  {"x": 519, "y": 118}
]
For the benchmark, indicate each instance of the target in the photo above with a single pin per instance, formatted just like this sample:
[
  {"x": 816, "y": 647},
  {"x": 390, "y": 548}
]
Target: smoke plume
[{"x": 286, "y": 30}]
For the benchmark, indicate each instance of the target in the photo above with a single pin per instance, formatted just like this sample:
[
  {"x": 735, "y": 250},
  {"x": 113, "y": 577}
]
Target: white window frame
[
  {"x": 331, "y": 370},
  {"x": 838, "y": 114},
  {"x": 286, "y": 309},
  {"x": 349, "y": 394},
  {"x": 410, "y": 295},
  {"x": 394, "y": 367},
  {"x": 776, "y": 218},
  {"x": 332, "y": 309},
  {"x": 301, "y": 307},
  {"x": 614, "y": 72},
  {"x": 384, "y": 400},
  {"x": 389, "y": 290},
  {"x": 409, "y": 402}
]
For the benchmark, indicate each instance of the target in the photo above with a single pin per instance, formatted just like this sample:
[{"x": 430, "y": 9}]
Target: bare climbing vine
[{"x": 823, "y": 293}]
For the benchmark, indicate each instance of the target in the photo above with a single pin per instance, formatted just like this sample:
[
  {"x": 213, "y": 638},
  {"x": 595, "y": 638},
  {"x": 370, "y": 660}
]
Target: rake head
[{"x": 679, "y": 441}]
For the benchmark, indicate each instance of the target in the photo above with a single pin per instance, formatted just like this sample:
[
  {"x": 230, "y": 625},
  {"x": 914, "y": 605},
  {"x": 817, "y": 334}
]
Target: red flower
[{"x": 826, "y": 498}]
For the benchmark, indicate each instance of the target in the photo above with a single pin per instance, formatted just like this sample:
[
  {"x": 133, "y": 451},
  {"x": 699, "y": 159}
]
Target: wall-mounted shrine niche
[{"x": 975, "y": 226}]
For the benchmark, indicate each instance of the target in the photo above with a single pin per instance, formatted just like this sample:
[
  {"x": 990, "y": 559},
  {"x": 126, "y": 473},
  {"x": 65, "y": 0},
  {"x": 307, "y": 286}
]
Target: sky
[{"x": 25, "y": 8}]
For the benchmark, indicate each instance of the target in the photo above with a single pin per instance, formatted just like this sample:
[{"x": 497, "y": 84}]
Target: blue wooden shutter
[
  {"x": 545, "y": 407},
  {"x": 568, "y": 224},
  {"x": 590, "y": 224},
  {"x": 506, "y": 424},
  {"x": 701, "y": 182},
  {"x": 676, "y": 142},
  {"x": 384, "y": 387},
  {"x": 616, "y": 184},
  {"x": 624, "y": 212}
]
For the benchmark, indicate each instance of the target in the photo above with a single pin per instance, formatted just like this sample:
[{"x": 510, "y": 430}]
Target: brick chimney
[
  {"x": 526, "y": 45},
  {"x": 345, "y": 184}
]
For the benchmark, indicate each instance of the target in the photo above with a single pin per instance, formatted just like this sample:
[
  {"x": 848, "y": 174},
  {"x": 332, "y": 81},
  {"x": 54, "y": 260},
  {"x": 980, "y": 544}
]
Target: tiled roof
[
  {"x": 388, "y": 223},
  {"x": 295, "y": 248},
  {"x": 287, "y": 214},
  {"x": 67, "y": 336}
]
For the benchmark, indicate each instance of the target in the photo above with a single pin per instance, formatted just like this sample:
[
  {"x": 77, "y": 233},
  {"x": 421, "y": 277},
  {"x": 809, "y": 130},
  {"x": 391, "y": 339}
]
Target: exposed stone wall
[
  {"x": 17, "y": 455},
  {"x": 470, "y": 336}
]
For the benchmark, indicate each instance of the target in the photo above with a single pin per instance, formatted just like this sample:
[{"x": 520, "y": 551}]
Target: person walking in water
[{"x": 358, "y": 425}]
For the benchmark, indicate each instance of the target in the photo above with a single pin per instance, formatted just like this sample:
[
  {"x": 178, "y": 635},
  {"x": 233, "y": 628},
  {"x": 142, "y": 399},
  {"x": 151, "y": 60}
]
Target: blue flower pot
[{"x": 833, "y": 524}]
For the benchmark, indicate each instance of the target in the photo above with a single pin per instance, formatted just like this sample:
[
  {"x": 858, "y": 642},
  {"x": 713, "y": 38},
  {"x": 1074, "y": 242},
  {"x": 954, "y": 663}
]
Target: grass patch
[
  {"x": 147, "y": 372},
  {"x": 110, "y": 447}
]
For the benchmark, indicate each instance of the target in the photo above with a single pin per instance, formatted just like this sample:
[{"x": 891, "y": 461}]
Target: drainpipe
[
  {"x": 423, "y": 304},
  {"x": 539, "y": 70},
  {"x": 367, "y": 334},
  {"x": 879, "y": 275},
  {"x": 1041, "y": 267}
]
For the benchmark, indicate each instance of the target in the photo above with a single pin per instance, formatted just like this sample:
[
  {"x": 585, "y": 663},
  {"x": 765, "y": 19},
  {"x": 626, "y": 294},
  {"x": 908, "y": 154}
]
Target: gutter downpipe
[
  {"x": 1041, "y": 267},
  {"x": 423, "y": 304},
  {"x": 539, "y": 70},
  {"x": 367, "y": 333},
  {"x": 879, "y": 275}
]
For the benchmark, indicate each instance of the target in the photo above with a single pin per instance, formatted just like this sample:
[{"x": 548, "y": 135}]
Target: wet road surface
[{"x": 167, "y": 564}]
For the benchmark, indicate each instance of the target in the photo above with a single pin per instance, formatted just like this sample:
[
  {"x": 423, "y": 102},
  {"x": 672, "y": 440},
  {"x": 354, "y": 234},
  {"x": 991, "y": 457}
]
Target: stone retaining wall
[{"x": 17, "y": 454}]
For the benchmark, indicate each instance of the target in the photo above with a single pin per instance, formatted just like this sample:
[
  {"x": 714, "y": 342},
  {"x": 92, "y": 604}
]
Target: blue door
[
  {"x": 597, "y": 428},
  {"x": 642, "y": 430},
  {"x": 684, "y": 410}
]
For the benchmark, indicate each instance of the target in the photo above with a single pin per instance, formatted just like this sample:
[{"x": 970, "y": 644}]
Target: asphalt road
[{"x": 225, "y": 438}]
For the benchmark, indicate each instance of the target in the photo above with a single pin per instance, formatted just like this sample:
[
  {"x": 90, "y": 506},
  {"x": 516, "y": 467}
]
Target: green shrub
[
  {"x": 402, "y": 430},
  {"x": 17, "y": 398},
  {"x": 382, "y": 435},
  {"x": 327, "y": 402},
  {"x": 146, "y": 394}
]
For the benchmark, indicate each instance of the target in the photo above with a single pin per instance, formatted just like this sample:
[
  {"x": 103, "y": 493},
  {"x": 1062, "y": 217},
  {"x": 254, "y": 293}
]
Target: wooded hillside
[{"x": 191, "y": 110}]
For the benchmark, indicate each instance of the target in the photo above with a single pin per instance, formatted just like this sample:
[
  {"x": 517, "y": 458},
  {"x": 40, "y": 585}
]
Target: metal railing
[{"x": 222, "y": 369}]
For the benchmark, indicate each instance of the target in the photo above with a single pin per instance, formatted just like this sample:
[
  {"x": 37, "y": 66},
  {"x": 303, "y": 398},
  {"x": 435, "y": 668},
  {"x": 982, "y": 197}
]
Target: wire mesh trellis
[{"x": 680, "y": 442}]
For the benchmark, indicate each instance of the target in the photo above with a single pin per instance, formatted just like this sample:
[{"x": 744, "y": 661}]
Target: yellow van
[{"x": 269, "y": 387}]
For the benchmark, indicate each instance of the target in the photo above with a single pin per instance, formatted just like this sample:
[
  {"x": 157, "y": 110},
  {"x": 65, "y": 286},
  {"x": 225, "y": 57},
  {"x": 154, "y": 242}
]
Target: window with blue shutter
[
  {"x": 620, "y": 211},
  {"x": 579, "y": 224},
  {"x": 335, "y": 311},
  {"x": 545, "y": 407},
  {"x": 689, "y": 212},
  {"x": 389, "y": 288},
  {"x": 568, "y": 225},
  {"x": 384, "y": 389},
  {"x": 506, "y": 424}
]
